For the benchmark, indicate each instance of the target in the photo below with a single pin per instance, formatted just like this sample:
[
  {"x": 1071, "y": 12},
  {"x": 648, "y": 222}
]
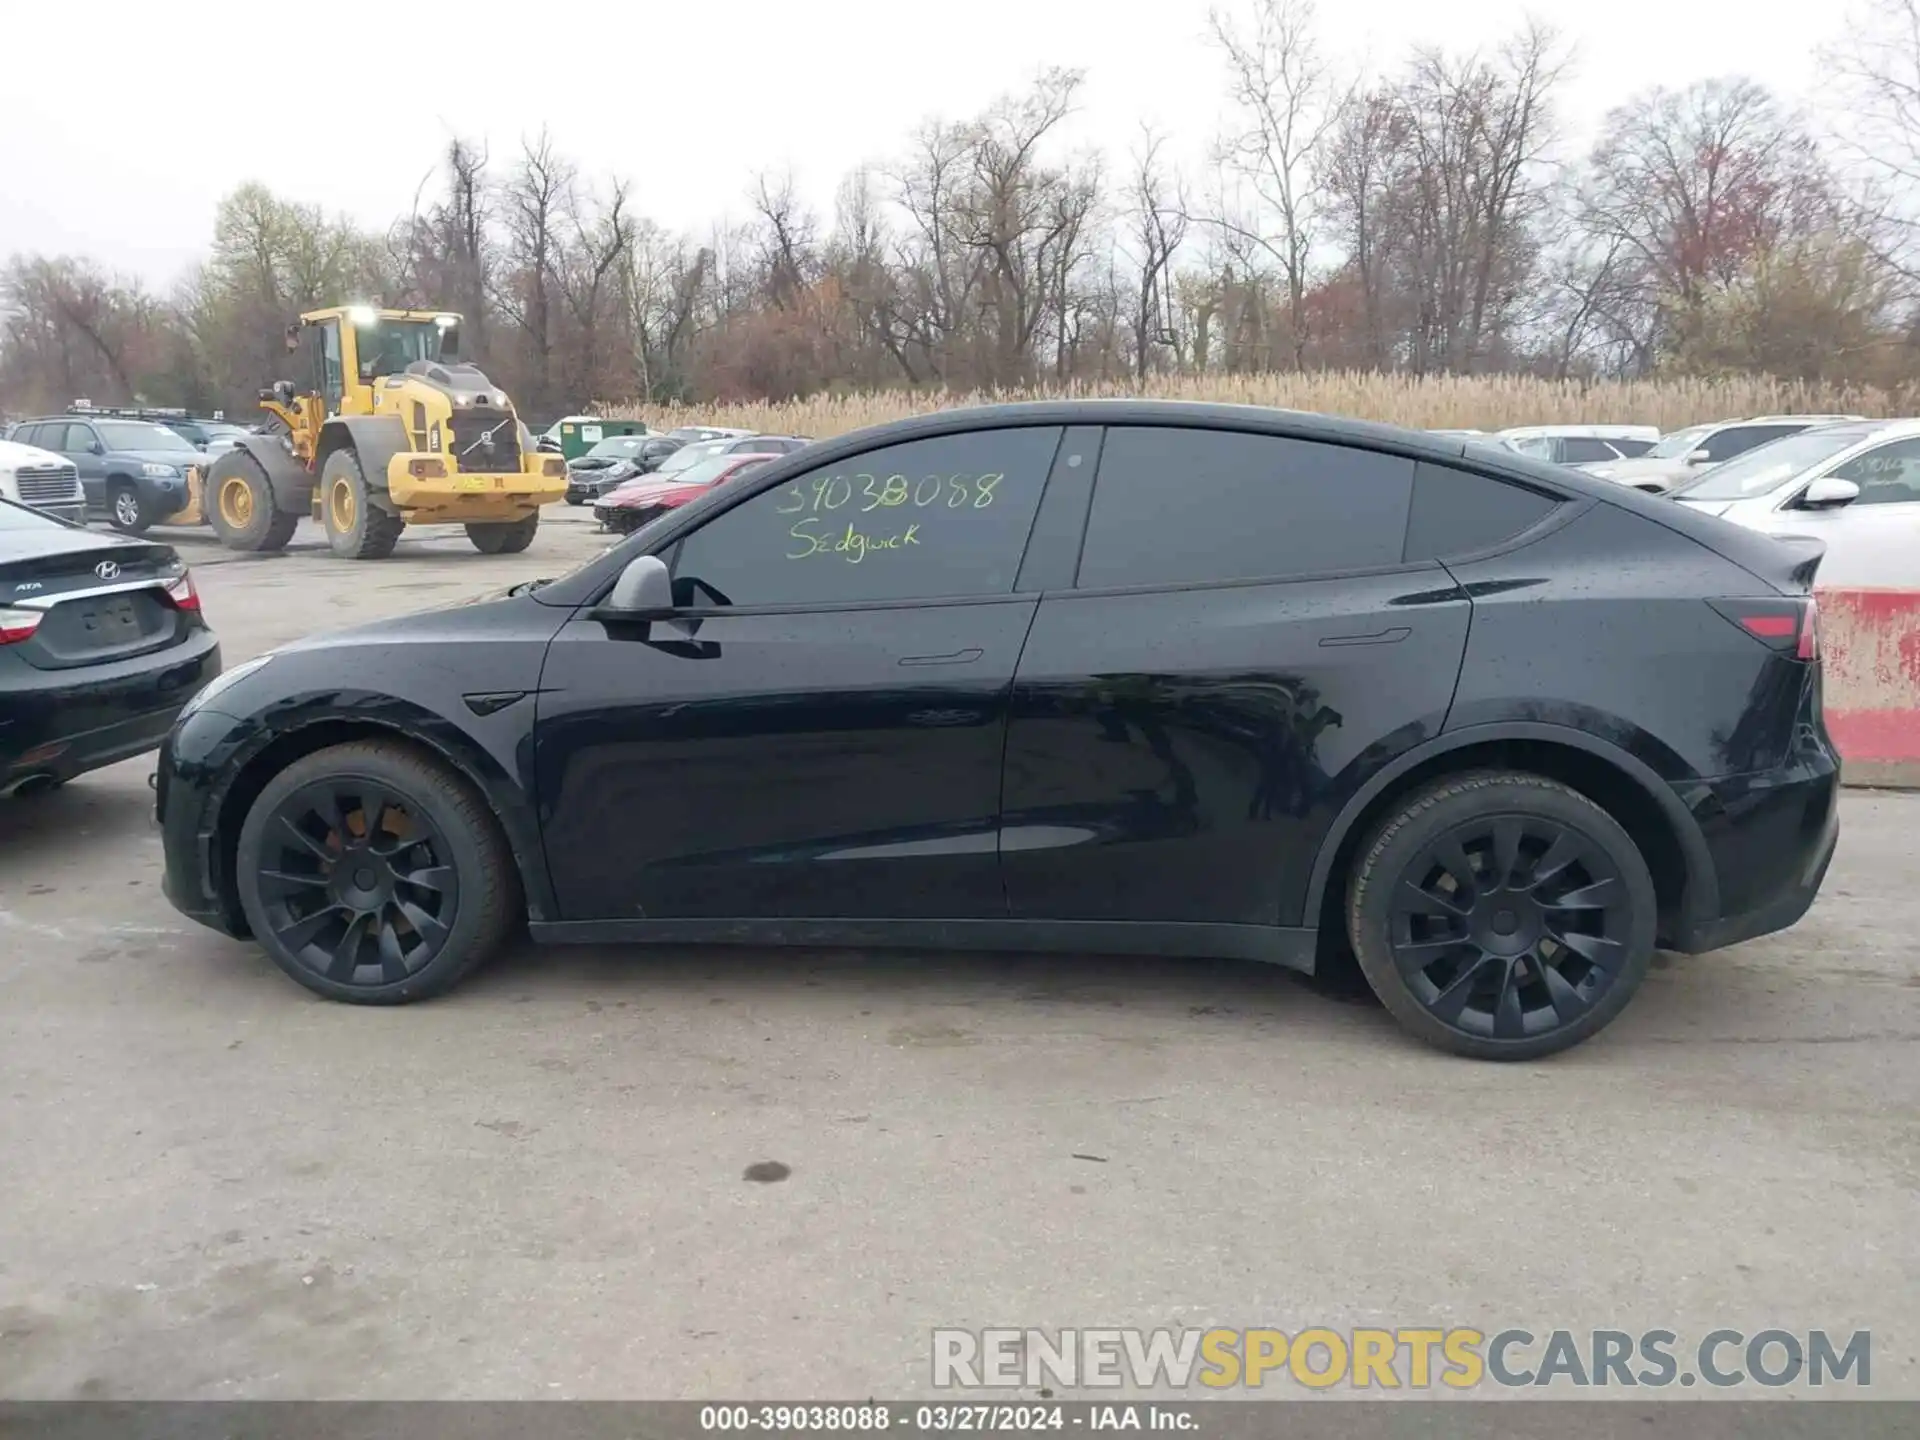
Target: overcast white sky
[{"x": 125, "y": 122}]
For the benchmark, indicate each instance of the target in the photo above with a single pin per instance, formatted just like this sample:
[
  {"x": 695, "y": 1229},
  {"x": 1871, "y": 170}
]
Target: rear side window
[
  {"x": 1175, "y": 506},
  {"x": 1456, "y": 512},
  {"x": 1580, "y": 450}
]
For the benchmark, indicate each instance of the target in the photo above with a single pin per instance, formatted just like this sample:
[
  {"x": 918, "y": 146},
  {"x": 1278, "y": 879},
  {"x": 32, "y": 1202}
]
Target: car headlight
[
  {"x": 225, "y": 680},
  {"x": 159, "y": 472}
]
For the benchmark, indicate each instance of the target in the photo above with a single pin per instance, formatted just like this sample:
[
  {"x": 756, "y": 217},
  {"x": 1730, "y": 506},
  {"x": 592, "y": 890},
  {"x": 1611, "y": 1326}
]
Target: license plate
[{"x": 111, "y": 621}]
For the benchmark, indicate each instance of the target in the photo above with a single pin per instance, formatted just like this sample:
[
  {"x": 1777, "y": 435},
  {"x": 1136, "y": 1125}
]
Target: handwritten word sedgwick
[{"x": 852, "y": 546}]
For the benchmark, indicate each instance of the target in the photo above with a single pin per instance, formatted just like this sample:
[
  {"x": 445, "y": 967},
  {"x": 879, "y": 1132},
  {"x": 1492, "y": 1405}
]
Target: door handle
[
  {"x": 1379, "y": 637},
  {"x": 958, "y": 657}
]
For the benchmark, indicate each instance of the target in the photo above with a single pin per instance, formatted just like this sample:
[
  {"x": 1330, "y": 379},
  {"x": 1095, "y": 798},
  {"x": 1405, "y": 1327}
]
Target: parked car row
[{"x": 1850, "y": 483}]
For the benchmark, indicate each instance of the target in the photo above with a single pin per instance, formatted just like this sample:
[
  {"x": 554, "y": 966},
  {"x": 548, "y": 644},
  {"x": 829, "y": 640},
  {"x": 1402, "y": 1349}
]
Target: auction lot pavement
[{"x": 215, "y": 1185}]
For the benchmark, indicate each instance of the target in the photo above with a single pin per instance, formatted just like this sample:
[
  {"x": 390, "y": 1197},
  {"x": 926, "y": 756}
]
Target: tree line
[{"x": 1433, "y": 218}]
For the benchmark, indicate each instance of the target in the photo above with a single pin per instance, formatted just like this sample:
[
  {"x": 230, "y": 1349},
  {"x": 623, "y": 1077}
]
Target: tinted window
[
  {"x": 1888, "y": 475},
  {"x": 930, "y": 518},
  {"x": 1632, "y": 449},
  {"x": 1172, "y": 505},
  {"x": 1738, "y": 439},
  {"x": 1456, "y": 512},
  {"x": 1579, "y": 450}
]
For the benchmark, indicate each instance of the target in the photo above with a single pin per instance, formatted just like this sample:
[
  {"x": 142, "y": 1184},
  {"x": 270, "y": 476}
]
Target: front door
[
  {"x": 1871, "y": 542},
  {"x": 818, "y": 731}
]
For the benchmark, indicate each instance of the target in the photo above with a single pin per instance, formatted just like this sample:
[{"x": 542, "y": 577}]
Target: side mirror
[
  {"x": 1699, "y": 457},
  {"x": 96, "y": 448},
  {"x": 644, "y": 591},
  {"x": 1829, "y": 492}
]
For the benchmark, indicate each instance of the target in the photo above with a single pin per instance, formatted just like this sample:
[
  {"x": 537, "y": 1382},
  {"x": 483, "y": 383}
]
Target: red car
[{"x": 646, "y": 496}]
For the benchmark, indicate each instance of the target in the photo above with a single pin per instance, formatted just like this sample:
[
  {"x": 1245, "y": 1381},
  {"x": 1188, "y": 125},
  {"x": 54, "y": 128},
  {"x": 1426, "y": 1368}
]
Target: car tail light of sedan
[
  {"x": 18, "y": 625},
  {"x": 181, "y": 591}
]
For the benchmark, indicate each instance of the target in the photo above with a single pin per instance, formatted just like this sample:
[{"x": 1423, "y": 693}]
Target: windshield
[
  {"x": 1765, "y": 468},
  {"x": 138, "y": 435},
  {"x": 621, "y": 447},
  {"x": 387, "y": 347},
  {"x": 1680, "y": 444},
  {"x": 682, "y": 460}
]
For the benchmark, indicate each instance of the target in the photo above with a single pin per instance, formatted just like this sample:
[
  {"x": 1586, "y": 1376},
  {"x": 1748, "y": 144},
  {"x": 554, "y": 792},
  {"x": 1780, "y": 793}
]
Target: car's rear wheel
[
  {"x": 1501, "y": 915},
  {"x": 374, "y": 875}
]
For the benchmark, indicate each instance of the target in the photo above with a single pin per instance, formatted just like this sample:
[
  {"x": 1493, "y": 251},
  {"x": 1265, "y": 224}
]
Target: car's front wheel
[
  {"x": 128, "y": 509},
  {"x": 1501, "y": 915},
  {"x": 373, "y": 874}
]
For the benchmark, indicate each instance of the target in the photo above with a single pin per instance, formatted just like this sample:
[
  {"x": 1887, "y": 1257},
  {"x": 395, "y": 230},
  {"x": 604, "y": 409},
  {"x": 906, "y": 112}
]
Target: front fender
[{"x": 233, "y": 756}]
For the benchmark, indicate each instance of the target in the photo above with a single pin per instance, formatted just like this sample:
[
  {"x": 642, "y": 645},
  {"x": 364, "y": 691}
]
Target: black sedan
[
  {"x": 1099, "y": 676},
  {"x": 101, "y": 644},
  {"x": 613, "y": 462}
]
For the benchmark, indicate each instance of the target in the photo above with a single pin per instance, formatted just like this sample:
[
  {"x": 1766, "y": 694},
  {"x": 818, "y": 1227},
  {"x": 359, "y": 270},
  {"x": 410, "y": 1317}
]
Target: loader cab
[{"x": 347, "y": 349}]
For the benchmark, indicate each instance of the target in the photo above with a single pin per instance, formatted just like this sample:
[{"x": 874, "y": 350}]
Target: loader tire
[
  {"x": 357, "y": 529},
  {"x": 239, "y": 506},
  {"x": 503, "y": 537}
]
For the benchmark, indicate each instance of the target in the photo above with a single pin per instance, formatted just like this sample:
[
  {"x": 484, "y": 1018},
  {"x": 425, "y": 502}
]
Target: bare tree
[
  {"x": 1288, "y": 105},
  {"x": 1158, "y": 215}
]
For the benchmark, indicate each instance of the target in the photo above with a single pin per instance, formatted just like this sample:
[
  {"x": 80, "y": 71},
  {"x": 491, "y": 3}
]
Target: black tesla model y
[{"x": 1106, "y": 676}]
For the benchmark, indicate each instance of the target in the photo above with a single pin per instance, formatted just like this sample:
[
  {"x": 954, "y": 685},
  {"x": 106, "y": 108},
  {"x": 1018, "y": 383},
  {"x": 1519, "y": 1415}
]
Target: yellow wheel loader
[{"x": 385, "y": 428}]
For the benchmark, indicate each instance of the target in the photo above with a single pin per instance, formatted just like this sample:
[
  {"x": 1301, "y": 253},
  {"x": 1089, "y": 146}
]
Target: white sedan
[{"x": 1854, "y": 486}]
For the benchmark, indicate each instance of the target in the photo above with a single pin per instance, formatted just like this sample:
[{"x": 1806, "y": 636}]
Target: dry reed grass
[{"x": 1488, "y": 402}]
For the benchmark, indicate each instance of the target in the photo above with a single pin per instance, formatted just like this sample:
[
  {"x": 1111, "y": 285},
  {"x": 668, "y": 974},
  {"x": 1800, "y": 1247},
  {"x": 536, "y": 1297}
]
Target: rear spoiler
[{"x": 1803, "y": 556}]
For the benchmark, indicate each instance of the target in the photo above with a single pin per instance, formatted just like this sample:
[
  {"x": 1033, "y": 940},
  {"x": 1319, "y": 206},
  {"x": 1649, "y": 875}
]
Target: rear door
[
  {"x": 1242, "y": 642},
  {"x": 818, "y": 731}
]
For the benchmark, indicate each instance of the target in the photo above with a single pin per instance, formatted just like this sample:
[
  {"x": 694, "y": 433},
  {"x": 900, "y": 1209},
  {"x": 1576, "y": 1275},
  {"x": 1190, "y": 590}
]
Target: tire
[
  {"x": 357, "y": 528},
  {"x": 302, "y": 902},
  {"x": 576, "y": 499},
  {"x": 127, "y": 509},
  {"x": 239, "y": 505},
  {"x": 504, "y": 537},
  {"x": 1494, "y": 963}
]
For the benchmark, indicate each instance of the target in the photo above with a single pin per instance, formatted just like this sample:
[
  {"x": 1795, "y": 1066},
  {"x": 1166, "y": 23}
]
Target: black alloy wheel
[
  {"x": 371, "y": 874},
  {"x": 357, "y": 882},
  {"x": 1503, "y": 916}
]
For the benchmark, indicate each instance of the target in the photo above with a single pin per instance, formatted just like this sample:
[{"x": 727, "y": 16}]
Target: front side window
[
  {"x": 928, "y": 519},
  {"x": 1888, "y": 475},
  {"x": 1178, "y": 506},
  {"x": 80, "y": 439}
]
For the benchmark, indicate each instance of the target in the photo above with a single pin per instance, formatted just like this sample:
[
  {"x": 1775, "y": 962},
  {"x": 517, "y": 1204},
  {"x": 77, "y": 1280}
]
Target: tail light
[
  {"x": 180, "y": 590},
  {"x": 18, "y": 625},
  {"x": 1792, "y": 626}
]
